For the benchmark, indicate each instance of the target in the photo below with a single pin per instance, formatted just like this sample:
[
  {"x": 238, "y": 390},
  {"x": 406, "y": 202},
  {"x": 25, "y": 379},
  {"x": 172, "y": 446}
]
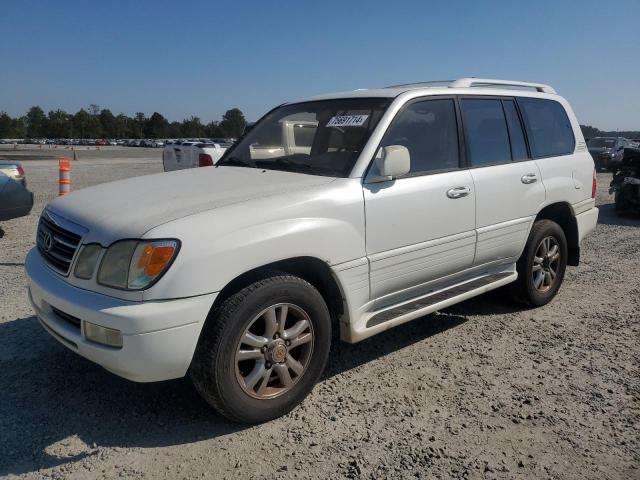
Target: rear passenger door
[
  {"x": 567, "y": 168},
  {"x": 508, "y": 186},
  {"x": 420, "y": 227}
]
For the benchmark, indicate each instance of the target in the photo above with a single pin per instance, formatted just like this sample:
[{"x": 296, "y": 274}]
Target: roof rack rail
[
  {"x": 419, "y": 83},
  {"x": 488, "y": 82}
]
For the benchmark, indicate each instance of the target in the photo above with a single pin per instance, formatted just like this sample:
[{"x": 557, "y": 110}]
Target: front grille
[
  {"x": 56, "y": 244},
  {"x": 66, "y": 317}
]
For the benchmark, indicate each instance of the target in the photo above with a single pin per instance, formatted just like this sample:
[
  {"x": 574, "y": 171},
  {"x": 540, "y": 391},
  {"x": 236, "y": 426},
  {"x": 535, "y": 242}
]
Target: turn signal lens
[
  {"x": 149, "y": 260},
  {"x": 593, "y": 185}
]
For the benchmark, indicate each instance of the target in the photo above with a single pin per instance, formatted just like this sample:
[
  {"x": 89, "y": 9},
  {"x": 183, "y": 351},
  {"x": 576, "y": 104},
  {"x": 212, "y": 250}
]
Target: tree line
[
  {"x": 95, "y": 122},
  {"x": 590, "y": 132}
]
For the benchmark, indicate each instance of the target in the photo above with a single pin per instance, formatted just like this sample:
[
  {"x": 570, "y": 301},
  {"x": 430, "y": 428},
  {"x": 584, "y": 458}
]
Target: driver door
[{"x": 421, "y": 227}]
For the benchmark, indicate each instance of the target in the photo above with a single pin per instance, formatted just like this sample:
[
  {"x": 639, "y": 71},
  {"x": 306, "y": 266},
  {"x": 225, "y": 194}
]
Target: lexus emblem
[{"x": 47, "y": 239}]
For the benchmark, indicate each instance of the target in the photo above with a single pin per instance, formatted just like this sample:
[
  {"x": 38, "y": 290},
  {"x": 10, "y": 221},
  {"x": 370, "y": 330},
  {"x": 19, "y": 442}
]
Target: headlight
[
  {"x": 86, "y": 263},
  {"x": 136, "y": 264}
]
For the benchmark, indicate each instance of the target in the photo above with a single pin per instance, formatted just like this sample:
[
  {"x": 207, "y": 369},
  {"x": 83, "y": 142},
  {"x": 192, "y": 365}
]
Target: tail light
[
  {"x": 593, "y": 185},
  {"x": 205, "y": 160},
  {"x": 20, "y": 171}
]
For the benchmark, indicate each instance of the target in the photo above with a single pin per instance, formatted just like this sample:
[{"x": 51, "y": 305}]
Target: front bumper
[{"x": 159, "y": 337}]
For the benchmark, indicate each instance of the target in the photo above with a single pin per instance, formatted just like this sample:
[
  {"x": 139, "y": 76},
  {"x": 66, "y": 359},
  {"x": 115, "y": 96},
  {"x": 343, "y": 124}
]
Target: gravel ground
[{"x": 485, "y": 389}]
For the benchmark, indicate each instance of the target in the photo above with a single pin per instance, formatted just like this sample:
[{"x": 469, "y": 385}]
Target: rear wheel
[
  {"x": 263, "y": 349},
  {"x": 542, "y": 265}
]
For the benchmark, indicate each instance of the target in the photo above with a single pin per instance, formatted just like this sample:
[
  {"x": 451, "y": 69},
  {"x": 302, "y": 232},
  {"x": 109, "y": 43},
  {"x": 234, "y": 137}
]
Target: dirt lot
[{"x": 482, "y": 390}]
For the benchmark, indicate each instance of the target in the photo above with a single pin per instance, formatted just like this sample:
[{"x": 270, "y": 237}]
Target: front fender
[{"x": 220, "y": 245}]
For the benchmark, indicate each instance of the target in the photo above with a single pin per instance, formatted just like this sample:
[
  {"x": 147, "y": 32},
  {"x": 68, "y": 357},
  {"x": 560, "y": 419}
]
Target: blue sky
[{"x": 201, "y": 58}]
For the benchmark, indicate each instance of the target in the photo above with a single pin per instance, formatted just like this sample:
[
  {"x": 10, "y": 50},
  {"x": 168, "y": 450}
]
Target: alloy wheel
[
  {"x": 546, "y": 262},
  {"x": 274, "y": 351}
]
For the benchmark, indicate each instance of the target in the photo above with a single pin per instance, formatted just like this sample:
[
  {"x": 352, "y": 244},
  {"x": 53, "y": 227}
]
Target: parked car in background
[
  {"x": 223, "y": 142},
  {"x": 625, "y": 185},
  {"x": 13, "y": 170},
  {"x": 606, "y": 151},
  {"x": 182, "y": 155},
  {"x": 15, "y": 200}
]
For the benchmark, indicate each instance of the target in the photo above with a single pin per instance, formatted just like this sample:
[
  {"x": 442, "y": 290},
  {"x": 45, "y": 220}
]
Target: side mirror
[{"x": 390, "y": 163}]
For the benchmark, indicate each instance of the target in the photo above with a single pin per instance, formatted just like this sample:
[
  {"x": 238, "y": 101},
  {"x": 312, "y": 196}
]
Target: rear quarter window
[{"x": 548, "y": 127}]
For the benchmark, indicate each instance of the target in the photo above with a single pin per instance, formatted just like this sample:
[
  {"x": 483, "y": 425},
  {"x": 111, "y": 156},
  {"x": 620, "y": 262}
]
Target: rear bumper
[
  {"x": 147, "y": 354},
  {"x": 586, "y": 222}
]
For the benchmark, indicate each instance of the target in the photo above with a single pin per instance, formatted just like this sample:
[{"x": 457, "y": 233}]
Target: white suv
[{"x": 407, "y": 200}]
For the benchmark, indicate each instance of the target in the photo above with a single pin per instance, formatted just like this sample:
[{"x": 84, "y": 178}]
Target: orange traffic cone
[{"x": 64, "y": 182}]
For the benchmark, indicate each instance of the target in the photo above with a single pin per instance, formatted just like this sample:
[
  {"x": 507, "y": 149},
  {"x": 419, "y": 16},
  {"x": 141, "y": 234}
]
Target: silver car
[{"x": 13, "y": 170}]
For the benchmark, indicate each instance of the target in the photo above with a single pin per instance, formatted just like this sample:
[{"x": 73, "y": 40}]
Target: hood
[{"x": 129, "y": 208}]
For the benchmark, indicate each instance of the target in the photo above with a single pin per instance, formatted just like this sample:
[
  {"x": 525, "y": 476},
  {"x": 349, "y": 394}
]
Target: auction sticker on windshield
[{"x": 347, "y": 121}]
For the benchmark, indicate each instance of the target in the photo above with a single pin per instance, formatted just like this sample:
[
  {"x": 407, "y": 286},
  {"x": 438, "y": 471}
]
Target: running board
[{"x": 424, "y": 303}]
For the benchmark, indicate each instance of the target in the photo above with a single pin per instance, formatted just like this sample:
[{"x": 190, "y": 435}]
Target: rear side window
[
  {"x": 548, "y": 127},
  {"x": 518, "y": 145},
  {"x": 487, "y": 134},
  {"x": 429, "y": 130}
]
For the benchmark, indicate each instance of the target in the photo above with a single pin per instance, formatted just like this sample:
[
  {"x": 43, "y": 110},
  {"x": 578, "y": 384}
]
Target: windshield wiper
[
  {"x": 283, "y": 162},
  {"x": 234, "y": 162}
]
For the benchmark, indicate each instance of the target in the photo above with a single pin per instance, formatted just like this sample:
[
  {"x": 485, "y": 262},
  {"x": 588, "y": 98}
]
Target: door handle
[
  {"x": 529, "y": 178},
  {"x": 458, "y": 192}
]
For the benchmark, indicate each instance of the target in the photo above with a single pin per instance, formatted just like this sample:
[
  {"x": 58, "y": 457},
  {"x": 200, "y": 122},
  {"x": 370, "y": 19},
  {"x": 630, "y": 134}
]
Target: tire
[
  {"x": 221, "y": 371},
  {"x": 621, "y": 200},
  {"x": 528, "y": 289}
]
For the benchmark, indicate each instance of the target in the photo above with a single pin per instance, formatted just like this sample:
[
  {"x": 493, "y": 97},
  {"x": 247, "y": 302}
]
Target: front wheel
[
  {"x": 263, "y": 349},
  {"x": 542, "y": 265}
]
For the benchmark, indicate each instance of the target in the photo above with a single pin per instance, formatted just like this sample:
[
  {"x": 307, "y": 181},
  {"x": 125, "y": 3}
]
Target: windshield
[
  {"x": 602, "y": 143},
  {"x": 318, "y": 138}
]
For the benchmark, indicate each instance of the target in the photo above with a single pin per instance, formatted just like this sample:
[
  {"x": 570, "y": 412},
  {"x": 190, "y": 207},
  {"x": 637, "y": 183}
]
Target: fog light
[{"x": 102, "y": 335}]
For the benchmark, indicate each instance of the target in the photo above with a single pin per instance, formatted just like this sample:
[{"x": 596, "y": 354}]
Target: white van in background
[
  {"x": 288, "y": 138},
  {"x": 181, "y": 155}
]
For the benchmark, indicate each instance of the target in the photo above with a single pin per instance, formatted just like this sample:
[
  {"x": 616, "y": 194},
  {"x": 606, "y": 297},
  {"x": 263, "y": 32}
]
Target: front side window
[
  {"x": 318, "y": 138},
  {"x": 487, "y": 134},
  {"x": 548, "y": 127},
  {"x": 429, "y": 130}
]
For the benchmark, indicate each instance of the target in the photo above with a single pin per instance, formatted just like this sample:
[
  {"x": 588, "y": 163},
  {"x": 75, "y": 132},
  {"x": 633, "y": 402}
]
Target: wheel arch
[
  {"x": 562, "y": 214},
  {"x": 315, "y": 271}
]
